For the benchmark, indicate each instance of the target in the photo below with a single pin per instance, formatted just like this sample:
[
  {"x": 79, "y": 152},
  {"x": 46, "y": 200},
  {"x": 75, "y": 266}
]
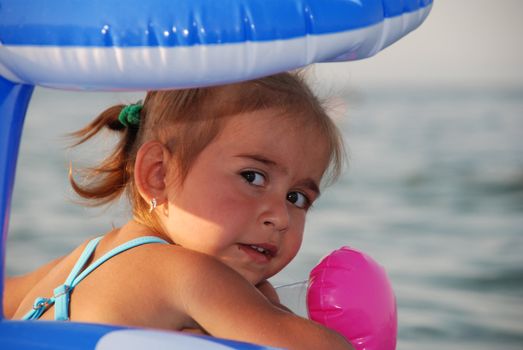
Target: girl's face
[{"x": 246, "y": 195}]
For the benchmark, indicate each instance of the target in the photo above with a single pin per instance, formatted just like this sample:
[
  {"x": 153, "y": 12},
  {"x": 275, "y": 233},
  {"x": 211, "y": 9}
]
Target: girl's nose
[{"x": 275, "y": 214}]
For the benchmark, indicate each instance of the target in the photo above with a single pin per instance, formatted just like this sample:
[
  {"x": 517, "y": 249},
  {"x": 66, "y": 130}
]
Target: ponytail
[{"x": 108, "y": 180}]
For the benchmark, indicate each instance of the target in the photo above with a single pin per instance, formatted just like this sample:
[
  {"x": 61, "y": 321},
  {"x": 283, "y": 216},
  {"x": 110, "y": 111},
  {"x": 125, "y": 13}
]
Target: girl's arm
[
  {"x": 16, "y": 288},
  {"x": 228, "y": 306}
]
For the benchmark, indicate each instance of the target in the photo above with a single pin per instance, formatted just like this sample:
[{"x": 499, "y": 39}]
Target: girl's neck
[{"x": 134, "y": 229}]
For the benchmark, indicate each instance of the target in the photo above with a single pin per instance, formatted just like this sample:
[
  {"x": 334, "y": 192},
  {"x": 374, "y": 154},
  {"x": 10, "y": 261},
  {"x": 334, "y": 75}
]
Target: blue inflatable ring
[{"x": 155, "y": 44}]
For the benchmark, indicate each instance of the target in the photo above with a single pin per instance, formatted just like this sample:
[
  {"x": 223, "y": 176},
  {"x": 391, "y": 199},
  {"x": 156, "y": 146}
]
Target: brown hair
[{"x": 186, "y": 121}]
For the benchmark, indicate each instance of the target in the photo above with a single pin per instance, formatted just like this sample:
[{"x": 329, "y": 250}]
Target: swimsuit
[{"x": 62, "y": 293}]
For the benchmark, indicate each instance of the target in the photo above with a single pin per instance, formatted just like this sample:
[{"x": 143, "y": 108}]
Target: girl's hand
[{"x": 266, "y": 288}]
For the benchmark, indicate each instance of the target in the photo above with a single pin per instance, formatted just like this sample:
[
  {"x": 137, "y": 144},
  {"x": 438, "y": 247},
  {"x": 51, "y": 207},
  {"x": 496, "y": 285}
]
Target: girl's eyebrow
[
  {"x": 264, "y": 160},
  {"x": 309, "y": 183}
]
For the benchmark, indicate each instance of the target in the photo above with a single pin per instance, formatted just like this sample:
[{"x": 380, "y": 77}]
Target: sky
[{"x": 462, "y": 42}]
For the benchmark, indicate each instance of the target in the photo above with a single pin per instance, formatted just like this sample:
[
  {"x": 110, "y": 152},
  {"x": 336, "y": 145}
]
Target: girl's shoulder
[
  {"x": 167, "y": 269},
  {"x": 168, "y": 279},
  {"x": 156, "y": 274},
  {"x": 179, "y": 266}
]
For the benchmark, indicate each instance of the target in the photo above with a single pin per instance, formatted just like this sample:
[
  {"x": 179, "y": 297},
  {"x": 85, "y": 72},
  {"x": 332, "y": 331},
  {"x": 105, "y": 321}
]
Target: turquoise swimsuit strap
[{"x": 62, "y": 293}]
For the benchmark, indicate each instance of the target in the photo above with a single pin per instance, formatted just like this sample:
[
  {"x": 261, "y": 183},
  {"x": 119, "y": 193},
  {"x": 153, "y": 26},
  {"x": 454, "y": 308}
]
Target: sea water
[{"x": 433, "y": 191}]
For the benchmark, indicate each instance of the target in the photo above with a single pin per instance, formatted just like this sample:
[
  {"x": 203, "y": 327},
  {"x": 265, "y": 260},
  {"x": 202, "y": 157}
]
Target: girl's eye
[
  {"x": 298, "y": 199},
  {"x": 254, "y": 178}
]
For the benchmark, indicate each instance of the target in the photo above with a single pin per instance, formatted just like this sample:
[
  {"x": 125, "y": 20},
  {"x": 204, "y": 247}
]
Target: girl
[{"x": 219, "y": 180}]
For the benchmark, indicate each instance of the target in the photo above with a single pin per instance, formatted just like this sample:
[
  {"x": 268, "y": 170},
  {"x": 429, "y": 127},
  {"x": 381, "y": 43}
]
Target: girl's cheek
[{"x": 294, "y": 242}]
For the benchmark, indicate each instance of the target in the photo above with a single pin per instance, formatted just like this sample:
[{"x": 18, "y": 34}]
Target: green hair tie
[{"x": 130, "y": 115}]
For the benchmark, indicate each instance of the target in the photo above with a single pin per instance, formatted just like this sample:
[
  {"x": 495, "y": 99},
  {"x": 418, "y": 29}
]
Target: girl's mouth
[{"x": 260, "y": 253}]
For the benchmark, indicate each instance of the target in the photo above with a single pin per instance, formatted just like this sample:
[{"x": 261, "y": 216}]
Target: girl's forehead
[{"x": 277, "y": 135}]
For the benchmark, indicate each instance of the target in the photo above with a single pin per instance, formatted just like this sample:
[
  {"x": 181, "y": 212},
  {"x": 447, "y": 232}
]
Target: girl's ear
[{"x": 150, "y": 169}]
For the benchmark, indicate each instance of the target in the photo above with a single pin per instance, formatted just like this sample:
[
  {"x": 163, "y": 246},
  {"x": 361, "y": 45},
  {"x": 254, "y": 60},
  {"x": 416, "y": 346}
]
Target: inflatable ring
[{"x": 155, "y": 44}]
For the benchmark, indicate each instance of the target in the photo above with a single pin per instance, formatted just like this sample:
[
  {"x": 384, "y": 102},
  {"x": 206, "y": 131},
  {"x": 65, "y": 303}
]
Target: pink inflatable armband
[{"x": 350, "y": 293}]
